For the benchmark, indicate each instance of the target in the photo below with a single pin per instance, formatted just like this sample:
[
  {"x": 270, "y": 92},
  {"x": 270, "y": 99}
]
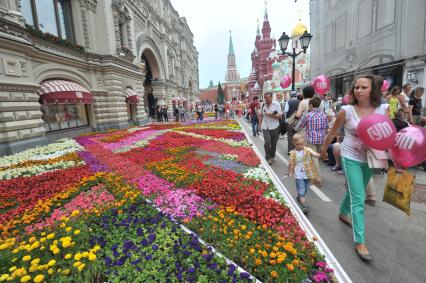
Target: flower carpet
[{"x": 117, "y": 207}]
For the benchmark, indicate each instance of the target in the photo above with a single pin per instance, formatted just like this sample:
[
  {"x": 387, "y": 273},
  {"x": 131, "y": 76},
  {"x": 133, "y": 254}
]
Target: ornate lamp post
[{"x": 305, "y": 39}]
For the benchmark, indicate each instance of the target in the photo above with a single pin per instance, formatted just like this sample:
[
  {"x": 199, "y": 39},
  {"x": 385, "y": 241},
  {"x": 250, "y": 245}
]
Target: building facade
[
  {"x": 69, "y": 67},
  {"x": 383, "y": 37}
]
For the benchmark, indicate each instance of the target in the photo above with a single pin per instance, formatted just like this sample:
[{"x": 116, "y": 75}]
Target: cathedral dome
[{"x": 298, "y": 30}]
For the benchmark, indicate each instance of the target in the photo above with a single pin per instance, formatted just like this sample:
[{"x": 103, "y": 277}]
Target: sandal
[{"x": 364, "y": 256}]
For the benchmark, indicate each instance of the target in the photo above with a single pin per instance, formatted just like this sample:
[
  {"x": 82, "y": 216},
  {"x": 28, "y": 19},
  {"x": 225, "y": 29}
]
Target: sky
[{"x": 210, "y": 22}]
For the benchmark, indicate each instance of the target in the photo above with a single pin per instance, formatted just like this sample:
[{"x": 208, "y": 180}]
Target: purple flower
[
  {"x": 154, "y": 247},
  {"x": 244, "y": 275},
  {"x": 320, "y": 276},
  {"x": 144, "y": 242},
  {"x": 139, "y": 232},
  {"x": 321, "y": 264},
  {"x": 191, "y": 270},
  {"x": 108, "y": 260},
  {"x": 328, "y": 270},
  {"x": 162, "y": 261},
  {"x": 148, "y": 257}
]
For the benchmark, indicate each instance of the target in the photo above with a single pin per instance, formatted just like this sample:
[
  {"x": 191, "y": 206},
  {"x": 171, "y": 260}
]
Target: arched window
[
  {"x": 51, "y": 16},
  {"x": 64, "y": 105}
]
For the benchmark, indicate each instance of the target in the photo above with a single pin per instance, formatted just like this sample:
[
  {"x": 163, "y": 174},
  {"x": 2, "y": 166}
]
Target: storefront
[
  {"x": 64, "y": 104},
  {"x": 132, "y": 99}
]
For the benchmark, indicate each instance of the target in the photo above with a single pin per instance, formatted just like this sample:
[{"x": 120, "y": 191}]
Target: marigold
[
  {"x": 66, "y": 271},
  {"x": 252, "y": 251},
  {"x": 75, "y": 213},
  {"x": 26, "y": 258},
  {"x": 50, "y": 271},
  {"x": 92, "y": 256},
  {"x": 39, "y": 278},
  {"x": 68, "y": 256},
  {"x": 274, "y": 274},
  {"x": 51, "y": 236},
  {"x": 77, "y": 256},
  {"x": 76, "y": 232},
  {"x": 290, "y": 266},
  {"x": 35, "y": 261},
  {"x": 258, "y": 261},
  {"x": 81, "y": 267},
  {"x": 26, "y": 278}
]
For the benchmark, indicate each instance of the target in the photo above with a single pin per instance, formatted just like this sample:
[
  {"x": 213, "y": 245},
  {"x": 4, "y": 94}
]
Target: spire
[
  {"x": 265, "y": 17},
  {"x": 257, "y": 31},
  {"x": 266, "y": 28},
  {"x": 231, "y": 46}
]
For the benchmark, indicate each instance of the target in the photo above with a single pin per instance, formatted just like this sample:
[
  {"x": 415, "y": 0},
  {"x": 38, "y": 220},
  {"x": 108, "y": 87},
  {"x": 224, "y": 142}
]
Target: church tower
[
  {"x": 232, "y": 77},
  {"x": 232, "y": 74}
]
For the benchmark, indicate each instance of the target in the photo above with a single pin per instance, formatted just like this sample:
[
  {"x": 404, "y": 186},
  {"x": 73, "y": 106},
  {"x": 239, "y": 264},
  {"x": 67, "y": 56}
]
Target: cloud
[{"x": 210, "y": 22}]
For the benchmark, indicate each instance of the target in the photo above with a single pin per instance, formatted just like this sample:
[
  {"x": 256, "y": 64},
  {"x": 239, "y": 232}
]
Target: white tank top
[{"x": 352, "y": 146}]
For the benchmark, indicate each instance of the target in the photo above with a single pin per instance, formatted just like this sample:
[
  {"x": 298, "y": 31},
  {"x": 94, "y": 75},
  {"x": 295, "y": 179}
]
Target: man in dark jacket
[{"x": 291, "y": 107}]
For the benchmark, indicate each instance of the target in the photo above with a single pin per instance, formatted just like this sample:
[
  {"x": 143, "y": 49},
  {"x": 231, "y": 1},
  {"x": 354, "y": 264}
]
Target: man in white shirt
[{"x": 269, "y": 115}]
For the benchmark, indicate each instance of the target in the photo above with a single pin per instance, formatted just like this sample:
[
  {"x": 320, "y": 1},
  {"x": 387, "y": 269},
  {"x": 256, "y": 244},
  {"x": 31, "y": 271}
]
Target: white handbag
[{"x": 377, "y": 159}]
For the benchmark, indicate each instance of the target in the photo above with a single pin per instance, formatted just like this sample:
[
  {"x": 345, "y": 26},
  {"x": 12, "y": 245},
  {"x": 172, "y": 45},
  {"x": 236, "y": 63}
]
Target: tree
[{"x": 220, "y": 94}]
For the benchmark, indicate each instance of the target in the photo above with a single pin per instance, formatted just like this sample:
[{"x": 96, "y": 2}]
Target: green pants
[{"x": 357, "y": 175}]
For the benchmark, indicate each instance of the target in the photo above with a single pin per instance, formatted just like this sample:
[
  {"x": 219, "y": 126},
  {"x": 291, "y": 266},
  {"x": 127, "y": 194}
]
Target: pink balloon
[
  {"x": 347, "y": 99},
  {"x": 285, "y": 81},
  {"x": 385, "y": 86},
  {"x": 321, "y": 85},
  {"x": 409, "y": 148},
  {"x": 377, "y": 131}
]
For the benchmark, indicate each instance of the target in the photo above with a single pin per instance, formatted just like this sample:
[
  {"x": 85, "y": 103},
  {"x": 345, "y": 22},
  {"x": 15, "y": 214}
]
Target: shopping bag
[{"x": 398, "y": 189}]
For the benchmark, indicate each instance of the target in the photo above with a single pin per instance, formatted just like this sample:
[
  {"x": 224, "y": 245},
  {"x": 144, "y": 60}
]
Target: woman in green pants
[{"x": 366, "y": 100}]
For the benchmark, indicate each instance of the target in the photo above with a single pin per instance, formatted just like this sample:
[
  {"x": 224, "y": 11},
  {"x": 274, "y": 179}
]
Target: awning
[
  {"x": 131, "y": 96},
  {"x": 64, "y": 92}
]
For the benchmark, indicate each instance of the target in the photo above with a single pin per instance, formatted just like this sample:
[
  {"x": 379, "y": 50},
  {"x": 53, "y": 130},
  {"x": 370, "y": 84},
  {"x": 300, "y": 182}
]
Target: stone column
[
  {"x": 141, "y": 115},
  {"x": 21, "y": 125},
  {"x": 110, "y": 110}
]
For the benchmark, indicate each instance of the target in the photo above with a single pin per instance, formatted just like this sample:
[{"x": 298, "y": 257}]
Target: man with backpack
[{"x": 290, "y": 109}]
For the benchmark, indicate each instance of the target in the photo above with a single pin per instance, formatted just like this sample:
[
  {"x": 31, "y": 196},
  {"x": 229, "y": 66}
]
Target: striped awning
[
  {"x": 131, "y": 96},
  {"x": 64, "y": 92}
]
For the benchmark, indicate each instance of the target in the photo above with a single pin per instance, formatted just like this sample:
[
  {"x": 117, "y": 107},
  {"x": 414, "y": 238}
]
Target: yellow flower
[
  {"x": 12, "y": 268},
  {"x": 42, "y": 240},
  {"x": 290, "y": 267},
  {"x": 77, "y": 256},
  {"x": 66, "y": 271},
  {"x": 77, "y": 264},
  {"x": 81, "y": 267},
  {"x": 39, "y": 278},
  {"x": 35, "y": 261},
  {"x": 51, "y": 236},
  {"x": 92, "y": 256},
  {"x": 96, "y": 248},
  {"x": 66, "y": 244},
  {"x": 258, "y": 261},
  {"x": 32, "y": 239},
  {"x": 68, "y": 256},
  {"x": 272, "y": 255},
  {"x": 4, "y": 277},
  {"x": 26, "y": 278},
  {"x": 56, "y": 250},
  {"x": 85, "y": 254},
  {"x": 76, "y": 232},
  {"x": 68, "y": 229},
  {"x": 51, "y": 262},
  {"x": 75, "y": 213},
  {"x": 50, "y": 271},
  {"x": 252, "y": 251},
  {"x": 243, "y": 227},
  {"x": 264, "y": 254},
  {"x": 26, "y": 258}
]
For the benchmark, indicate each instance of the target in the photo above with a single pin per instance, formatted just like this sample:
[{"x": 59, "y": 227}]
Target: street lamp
[{"x": 305, "y": 39}]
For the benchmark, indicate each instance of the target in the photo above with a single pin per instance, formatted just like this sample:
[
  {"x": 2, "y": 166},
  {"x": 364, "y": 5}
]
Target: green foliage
[{"x": 220, "y": 94}]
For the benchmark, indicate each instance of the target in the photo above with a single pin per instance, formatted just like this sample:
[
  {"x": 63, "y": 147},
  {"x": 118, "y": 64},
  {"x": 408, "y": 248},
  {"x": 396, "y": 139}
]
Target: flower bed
[{"x": 204, "y": 176}]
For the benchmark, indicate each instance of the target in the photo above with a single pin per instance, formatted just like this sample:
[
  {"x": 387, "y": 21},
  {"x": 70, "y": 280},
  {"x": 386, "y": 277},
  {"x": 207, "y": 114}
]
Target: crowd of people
[{"x": 320, "y": 128}]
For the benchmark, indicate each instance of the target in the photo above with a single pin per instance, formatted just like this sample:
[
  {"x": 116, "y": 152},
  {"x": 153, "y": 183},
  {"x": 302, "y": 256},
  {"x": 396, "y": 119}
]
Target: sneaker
[
  {"x": 340, "y": 172},
  {"x": 305, "y": 209},
  {"x": 269, "y": 161}
]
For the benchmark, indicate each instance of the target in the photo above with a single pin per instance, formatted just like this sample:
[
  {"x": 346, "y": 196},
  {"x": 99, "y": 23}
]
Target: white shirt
[
  {"x": 269, "y": 123},
  {"x": 299, "y": 169},
  {"x": 352, "y": 146}
]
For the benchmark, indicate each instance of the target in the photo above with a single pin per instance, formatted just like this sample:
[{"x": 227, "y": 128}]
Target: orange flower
[
  {"x": 274, "y": 274},
  {"x": 290, "y": 266}
]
